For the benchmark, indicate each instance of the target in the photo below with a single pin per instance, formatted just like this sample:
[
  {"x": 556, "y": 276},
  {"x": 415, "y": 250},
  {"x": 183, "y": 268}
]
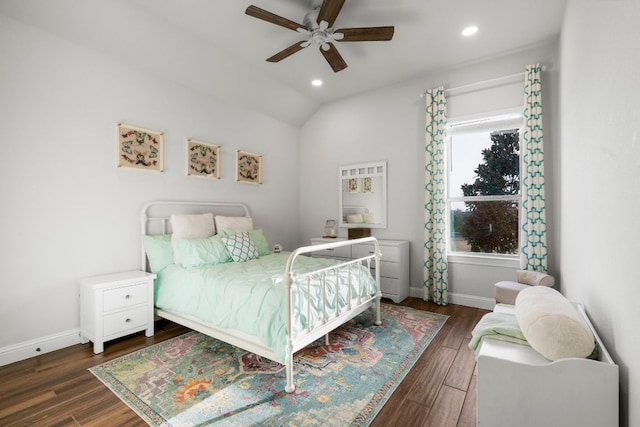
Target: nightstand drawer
[
  {"x": 126, "y": 296},
  {"x": 125, "y": 320}
]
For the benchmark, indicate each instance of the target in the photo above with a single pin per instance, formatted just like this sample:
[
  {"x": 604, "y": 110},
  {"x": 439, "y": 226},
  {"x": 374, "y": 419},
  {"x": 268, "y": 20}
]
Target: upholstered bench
[{"x": 507, "y": 291}]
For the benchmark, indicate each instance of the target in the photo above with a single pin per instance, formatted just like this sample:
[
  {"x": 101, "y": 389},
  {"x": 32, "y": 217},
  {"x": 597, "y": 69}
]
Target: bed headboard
[{"x": 155, "y": 215}]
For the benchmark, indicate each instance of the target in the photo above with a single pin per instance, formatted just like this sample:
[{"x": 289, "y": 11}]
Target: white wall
[
  {"x": 67, "y": 211},
  {"x": 388, "y": 124},
  {"x": 600, "y": 172}
]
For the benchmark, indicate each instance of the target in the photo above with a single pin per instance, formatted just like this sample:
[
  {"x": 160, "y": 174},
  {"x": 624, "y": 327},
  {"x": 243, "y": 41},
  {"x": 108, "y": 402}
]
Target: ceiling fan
[{"x": 317, "y": 29}]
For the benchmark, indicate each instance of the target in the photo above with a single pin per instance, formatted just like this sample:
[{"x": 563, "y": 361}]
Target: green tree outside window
[{"x": 492, "y": 226}]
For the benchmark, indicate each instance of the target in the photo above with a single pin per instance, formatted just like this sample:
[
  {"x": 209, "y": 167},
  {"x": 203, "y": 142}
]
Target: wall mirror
[{"x": 363, "y": 195}]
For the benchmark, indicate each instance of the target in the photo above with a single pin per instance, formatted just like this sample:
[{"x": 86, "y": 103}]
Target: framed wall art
[
  {"x": 203, "y": 159},
  {"x": 139, "y": 148},
  {"x": 367, "y": 185},
  {"x": 353, "y": 185},
  {"x": 248, "y": 167}
]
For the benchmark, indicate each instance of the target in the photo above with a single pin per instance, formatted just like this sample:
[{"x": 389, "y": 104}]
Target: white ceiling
[{"x": 214, "y": 47}]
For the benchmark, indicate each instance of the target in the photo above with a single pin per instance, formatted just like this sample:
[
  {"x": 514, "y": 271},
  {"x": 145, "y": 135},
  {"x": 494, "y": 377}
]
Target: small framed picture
[
  {"x": 139, "y": 148},
  {"x": 353, "y": 185},
  {"x": 203, "y": 159},
  {"x": 248, "y": 167},
  {"x": 367, "y": 185}
]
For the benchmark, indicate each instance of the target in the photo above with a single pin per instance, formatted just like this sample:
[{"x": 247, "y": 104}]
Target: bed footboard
[{"x": 339, "y": 316}]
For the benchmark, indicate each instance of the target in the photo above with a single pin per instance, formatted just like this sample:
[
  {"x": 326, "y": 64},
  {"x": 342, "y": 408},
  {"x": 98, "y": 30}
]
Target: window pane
[
  {"x": 484, "y": 226},
  {"x": 466, "y": 155},
  {"x": 484, "y": 162}
]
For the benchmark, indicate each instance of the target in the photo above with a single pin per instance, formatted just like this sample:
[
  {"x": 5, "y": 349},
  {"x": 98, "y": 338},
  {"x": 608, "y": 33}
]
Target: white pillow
[
  {"x": 198, "y": 226},
  {"x": 242, "y": 223},
  {"x": 368, "y": 218},
  {"x": 355, "y": 219},
  {"x": 552, "y": 325}
]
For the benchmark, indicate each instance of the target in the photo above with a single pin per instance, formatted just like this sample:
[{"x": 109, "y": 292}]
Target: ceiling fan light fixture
[
  {"x": 469, "y": 31},
  {"x": 318, "y": 29}
]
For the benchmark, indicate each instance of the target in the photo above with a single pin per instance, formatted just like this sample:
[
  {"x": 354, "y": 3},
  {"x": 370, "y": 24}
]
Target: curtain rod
[{"x": 484, "y": 84}]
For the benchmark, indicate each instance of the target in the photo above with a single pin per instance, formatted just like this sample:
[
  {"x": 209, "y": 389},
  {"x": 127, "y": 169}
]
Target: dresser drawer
[
  {"x": 388, "y": 253},
  {"x": 126, "y": 296},
  {"x": 122, "y": 321},
  {"x": 389, "y": 286},
  {"x": 390, "y": 269},
  {"x": 341, "y": 252}
]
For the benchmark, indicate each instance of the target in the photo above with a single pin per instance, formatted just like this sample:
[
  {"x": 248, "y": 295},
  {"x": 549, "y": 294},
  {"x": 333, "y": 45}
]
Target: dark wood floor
[{"x": 56, "y": 389}]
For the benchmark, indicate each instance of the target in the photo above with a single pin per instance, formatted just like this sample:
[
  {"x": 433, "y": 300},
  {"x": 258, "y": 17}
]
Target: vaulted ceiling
[{"x": 214, "y": 47}]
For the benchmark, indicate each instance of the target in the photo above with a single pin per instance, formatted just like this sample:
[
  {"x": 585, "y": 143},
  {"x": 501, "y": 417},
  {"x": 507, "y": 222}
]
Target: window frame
[{"x": 482, "y": 258}]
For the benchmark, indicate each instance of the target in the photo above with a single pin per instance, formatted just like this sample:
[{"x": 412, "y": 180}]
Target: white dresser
[
  {"x": 394, "y": 263},
  {"x": 115, "y": 305}
]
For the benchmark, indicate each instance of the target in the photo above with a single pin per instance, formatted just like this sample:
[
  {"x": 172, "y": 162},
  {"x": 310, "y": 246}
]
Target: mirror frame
[{"x": 360, "y": 171}]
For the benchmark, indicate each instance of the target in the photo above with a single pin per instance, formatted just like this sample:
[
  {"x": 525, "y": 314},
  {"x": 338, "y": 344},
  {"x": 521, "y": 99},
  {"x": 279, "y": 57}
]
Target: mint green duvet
[{"x": 250, "y": 296}]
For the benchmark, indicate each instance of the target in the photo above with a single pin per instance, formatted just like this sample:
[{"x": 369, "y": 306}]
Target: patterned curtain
[
  {"x": 436, "y": 276},
  {"x": 533, "y": 227}
]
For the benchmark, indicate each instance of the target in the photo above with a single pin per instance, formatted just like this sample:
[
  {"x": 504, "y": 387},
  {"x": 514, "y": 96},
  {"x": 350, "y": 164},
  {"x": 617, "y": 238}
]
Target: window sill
[{"x": 485, "y": 260}]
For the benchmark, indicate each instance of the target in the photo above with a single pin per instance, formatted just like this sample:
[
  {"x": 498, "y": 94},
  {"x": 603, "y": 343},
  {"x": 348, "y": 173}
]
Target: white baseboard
[
  {"x": 472, "y": 301},
  {"x": 27, "y": 349},
  {"x": 461, "y": 299}
]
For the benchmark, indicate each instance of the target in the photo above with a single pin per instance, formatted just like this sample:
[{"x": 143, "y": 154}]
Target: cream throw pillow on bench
[{"x": 552, "y": 325}]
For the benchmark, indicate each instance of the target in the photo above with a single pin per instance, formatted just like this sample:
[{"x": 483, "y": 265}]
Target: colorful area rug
[{"x": 195, "y": 380}]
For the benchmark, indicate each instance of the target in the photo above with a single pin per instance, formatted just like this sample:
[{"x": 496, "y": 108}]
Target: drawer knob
[
  {"x": 128, "y": 321},
  {"x": 127, "y": 296}
]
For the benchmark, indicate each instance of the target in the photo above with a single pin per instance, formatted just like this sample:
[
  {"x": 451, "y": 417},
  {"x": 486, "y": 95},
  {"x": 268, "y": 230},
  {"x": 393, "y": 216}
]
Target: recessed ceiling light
[
  {"x": 316, "y": 82},
  {"x": 469, "y": 31}
]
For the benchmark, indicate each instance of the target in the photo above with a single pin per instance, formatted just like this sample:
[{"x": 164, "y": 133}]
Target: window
[{"x": 483, "y": 198}]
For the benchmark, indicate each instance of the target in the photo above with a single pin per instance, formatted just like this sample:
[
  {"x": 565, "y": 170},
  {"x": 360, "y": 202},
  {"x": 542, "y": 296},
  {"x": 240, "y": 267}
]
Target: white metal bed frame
[{"x": 253, "y": 344}]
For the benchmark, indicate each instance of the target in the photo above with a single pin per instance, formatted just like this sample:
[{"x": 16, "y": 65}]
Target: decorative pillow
[
  {"x": 552, "y": 325},
  {"x": 258, "y": 239},
  {"x": 368, "y": 218},
  {"x": 241, "y": 247},
  {"x": 190, "y": 227},
  {"x": 244, "y": 223},
  {"x": 159, "y": 251},
  {"x": 199, "y": 252},
  {"x": 355, "y": 219}
]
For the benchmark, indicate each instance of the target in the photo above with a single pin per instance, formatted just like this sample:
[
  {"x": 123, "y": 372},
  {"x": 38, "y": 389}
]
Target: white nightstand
[{"x": 115, "y": 305}]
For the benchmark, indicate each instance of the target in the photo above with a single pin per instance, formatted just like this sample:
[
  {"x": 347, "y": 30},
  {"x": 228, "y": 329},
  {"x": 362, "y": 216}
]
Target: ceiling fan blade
[
  {"x": 367, "y": 34},
  {"x": 333, "y": 57},
  {"x": 286, "y": 52},
  {"x": 329, "y": 11},
  {"x": 256, "y": 12}
]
